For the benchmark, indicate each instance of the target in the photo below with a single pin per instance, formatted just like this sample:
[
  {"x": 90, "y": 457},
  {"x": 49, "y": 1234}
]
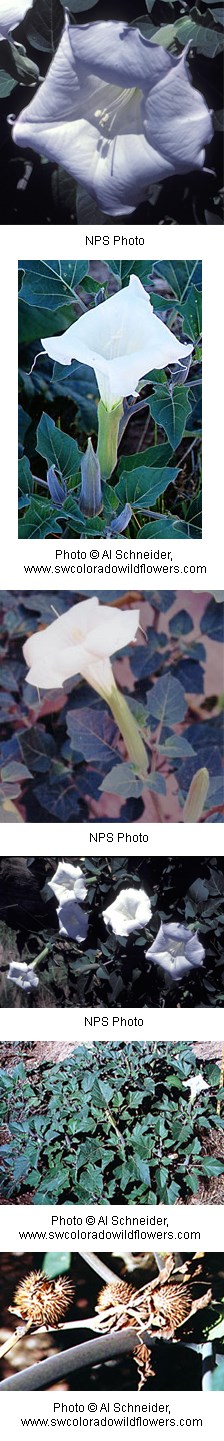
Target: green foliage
[
  {"x": 111, "y": 1122},
  {"x": 206, "y": 38}
]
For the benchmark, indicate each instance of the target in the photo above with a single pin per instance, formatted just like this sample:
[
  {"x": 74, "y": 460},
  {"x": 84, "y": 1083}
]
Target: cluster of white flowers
[{"x": 176, "y": 948}]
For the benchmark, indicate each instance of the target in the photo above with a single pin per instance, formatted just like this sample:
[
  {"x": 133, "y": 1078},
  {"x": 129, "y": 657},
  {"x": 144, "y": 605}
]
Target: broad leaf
[
  {"x": 50, "y": 284},
  {"x": 57, "y": 448},
  {"x": 170, "y": 409},
  {"x": 166, "y": 700}
]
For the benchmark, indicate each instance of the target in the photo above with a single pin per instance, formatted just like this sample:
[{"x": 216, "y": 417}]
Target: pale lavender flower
[{"x": 176, "y": 949}]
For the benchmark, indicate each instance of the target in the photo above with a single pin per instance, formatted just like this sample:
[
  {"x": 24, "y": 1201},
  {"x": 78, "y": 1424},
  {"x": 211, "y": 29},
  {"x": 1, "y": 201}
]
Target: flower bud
[
  {"x": 196, "y": 797},
  {"x": 120, "y": 522},
  {"x": 90, "y": 499},
  {"x": 57, "y": 488}
]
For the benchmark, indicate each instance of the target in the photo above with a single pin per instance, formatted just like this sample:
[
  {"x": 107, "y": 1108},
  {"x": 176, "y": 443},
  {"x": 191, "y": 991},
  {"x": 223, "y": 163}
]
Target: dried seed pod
[
  {"x": 173, "y": 1298},
  {"x": 168, "y": 1307},
  {"x": 162, "y": 1306},
  {"x": 42, "y": 1301},
  {"x": 117, "y": 1294},
  {"x": 112, "y": 1304}
]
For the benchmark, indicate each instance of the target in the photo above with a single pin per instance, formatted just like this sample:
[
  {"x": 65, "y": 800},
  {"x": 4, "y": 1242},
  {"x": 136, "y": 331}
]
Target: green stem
[
  {"x": 112, "y": 1123},
  {"x": 129, "y": 730},
  {"x": 41, "y": 956},
  {"x": 108, "y": 427}
]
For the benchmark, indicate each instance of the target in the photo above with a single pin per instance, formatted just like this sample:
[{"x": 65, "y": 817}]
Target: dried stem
[{"x": 13, "y": 1340}]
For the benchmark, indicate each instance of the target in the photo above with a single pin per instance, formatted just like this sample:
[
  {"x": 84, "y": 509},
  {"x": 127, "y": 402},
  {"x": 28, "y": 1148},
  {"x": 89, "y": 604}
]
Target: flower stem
[
  {"x": 129, "y": 730},
  {"x": 108, "y": 427},
  {"x": 41, "y": 956}
]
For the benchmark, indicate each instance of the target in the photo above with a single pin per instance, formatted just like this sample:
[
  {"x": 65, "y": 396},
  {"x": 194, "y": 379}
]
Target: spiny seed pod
[
  {"x": 170, "y": 1305},
  {"x": 42, "y": 1301},
  {"x": 119, "y": 1294}
]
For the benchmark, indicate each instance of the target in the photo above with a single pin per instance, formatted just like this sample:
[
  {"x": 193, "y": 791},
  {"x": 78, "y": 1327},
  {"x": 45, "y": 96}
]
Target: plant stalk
[
  {"x": 13, "y": 1340},
  {"x": 90, "y": 1353}
]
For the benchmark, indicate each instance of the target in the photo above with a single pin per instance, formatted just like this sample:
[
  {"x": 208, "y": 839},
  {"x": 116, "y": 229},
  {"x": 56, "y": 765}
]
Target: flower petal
[
  {"x": 73, "y": 921},
  {"x": 116, "y": 629},
  {"x": 74, "y": 118},
  {"x": 45, "y": 651},
  {"x": 165, "y": 951},
  {"x": 118, "y": 54},
  {"x": 71, "y": 645},
  {"x": 177, "y": 115},
  {"x": 195, "y": 1084},
  {"x": 68, "y": 882},
  {"x": 22, "y": 975},
  {"x": 130, "y": 911},
  {"x": 195, "y": 951},
  {"x": 10, "y": 15},
  {"x": 122, "y": 340}
]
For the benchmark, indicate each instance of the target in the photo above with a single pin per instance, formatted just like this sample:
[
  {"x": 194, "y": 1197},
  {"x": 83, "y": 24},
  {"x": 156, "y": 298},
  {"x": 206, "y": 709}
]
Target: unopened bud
[
  {"x": 90, "y": 499},
  {"x": 57, "y": 488},
  {"x": 120, "y": 522},
  {"x": 196, "y": 797}
]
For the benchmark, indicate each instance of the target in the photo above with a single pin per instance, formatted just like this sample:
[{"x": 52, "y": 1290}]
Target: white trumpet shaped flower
[
  {"x": 73, "y": 921},
  {"x": 80, "y": 642},
  {"x": 69, "y": 887},
  {"x": 121, "y": 339},
  {"x": 195, "y": 1085},
  {"x": 68, "y": 883},
  {"x": 177, "y": 950},
  {"x": 118, "y": 113},
  {"x": 11, "y": 13},
  {"x": 130, "y": 911}
]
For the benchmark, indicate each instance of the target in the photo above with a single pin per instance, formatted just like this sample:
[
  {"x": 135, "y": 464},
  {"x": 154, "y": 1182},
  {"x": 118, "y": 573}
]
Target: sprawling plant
[{"x": 111, "y": 1123}]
